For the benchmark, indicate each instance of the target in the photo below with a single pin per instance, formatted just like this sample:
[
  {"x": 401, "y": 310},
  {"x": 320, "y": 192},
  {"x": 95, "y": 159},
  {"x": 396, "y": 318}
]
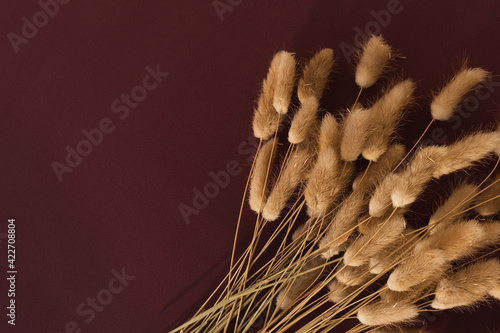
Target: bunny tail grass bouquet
[{"x": 336, "y": 189}]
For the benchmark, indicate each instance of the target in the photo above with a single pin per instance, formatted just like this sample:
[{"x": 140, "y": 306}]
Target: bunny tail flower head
[
  {"x": 459, "y": 200},
  {"x": 374, "y": 60},
  {"x": 285, "y": 81},
  {"x": 260, "y": 177},
  {"x": 387, "y": 313},
  {"x": 355, "y": 130},
  {"x": 385, "y": 115},
  {"x": 376, "y": 239},
  {"x": 291, "y": 177},
  {"x": 448, "y": 98},
  {"x": 468, "y": 285},
  {"x": 304, "y": 121},
  {"x": 266, "y": 119},
  {"x": 315, "y": 75},
  {"x": 311, "y": 272},
  {"x": 488, "y": 202}
]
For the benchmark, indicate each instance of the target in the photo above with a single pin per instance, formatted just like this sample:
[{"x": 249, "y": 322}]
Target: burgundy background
[{"x": 119, "y": 208}]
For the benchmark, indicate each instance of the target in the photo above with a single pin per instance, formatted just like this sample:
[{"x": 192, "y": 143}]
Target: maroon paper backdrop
[{"x": 116, "y": 212}]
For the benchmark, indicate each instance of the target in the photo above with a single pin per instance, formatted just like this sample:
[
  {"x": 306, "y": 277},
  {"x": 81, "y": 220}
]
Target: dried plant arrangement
[{"x": 335, "y": 189}]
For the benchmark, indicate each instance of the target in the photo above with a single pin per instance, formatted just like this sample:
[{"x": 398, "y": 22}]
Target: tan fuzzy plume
[
  {"x": 468, "y": 285},
  {"x": 491, "y": 235},
  {"x": 421, "y": 266},
  {"x": 355, "y": 130},
  {"x": 387, "y": 313},
  {"x": 299, "y": 231},
  {"x": 448, "y": 98},
  {"x": 433, "y": 254},
  {"x": 434, "y": 162},
  {"x": 386, "y": 114},
  {"x": 410, "y": 295},
  {"x": 324, "y": 184},
  {"x": 315, "y": 75},
  {"x": 287, "y": 297},
  {"x": 311, "y": 228},
  {"x": 397, "y": 251},
  {"x": 458, "y": 240},
  {"x": 379, "y": 237},
  {"x": 489, "y": 199},
  {"x": 294, "y": 173},
  {"x": 412, "y": 181},
  {"x": 285, "y": 81},
  {"x": 367, "y": 224},
  {"x": 374, "y": 60},
  {"x": 266, "y": 119},
  {"x": 339, "y": 291},
  {"x": 459, "y": 200},
  {"x": 381, "y": 198},
  {"x": 342, "y": 225},
  {"x": 354, "y": 276},
  {"x": 378, "y": 170},
  {"x": 304, "y": 121},
  {"x": 495, "y": 292},
  {"x": 328, "y": 133},
  {"x": 328, "y": 177},
  {"x": 463, "y": 153},
  {"x": 259, "y": 183}
]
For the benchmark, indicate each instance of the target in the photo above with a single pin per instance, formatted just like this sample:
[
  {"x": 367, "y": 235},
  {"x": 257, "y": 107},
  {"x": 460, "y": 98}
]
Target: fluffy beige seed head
[
  {"x": 323, "y": 188},
  {"x": 465, "y": 152},
  {"x": 489, "y": 199},
  {"x": 495, "y": 292},
  {"x": 261, "y": 175},
  {"x": 409, "y": 296},
  {"x": 386, "y": 114},
  {"x": 378, "y": 170},
  {"x": 432, "y": 255},
  {"x": 339, "y": 291},
  {"x": 381, "y": 198},
  {"x": 329, "y": 135},
  {"x": 354, "y": 276},
  {"x": 421, "y": 266},
  {"x": 304, "y": 121},
  {"x": 448, "y": 98},
  {"x": 387, "y": 313},
  {"x": 309, "y": 229},
  {"x": 294, "y": 173},
  {"x": 299, "y": 231},
  {"x": 467, "y": 285},
  {"x": 390, "y": 255},
  {"x": 414, "y": 178},
  {"x": 265, "y": 119},
  {"x": 285, "y": 81},
  {"x": 459, "y": 200},
  {"x": 300, "y": 284},
  {"x": 374, "y": 60},
  {"x": 315, "y": 75},
  {"x": 342, "y": 225},
  {"x": 458, "y": 240},
  {"x": 434, "y": 162},
  {"x": 371, "y": 243},
  {"x": 491, "y": 236},
  {"x": 355, "y": 130}
]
